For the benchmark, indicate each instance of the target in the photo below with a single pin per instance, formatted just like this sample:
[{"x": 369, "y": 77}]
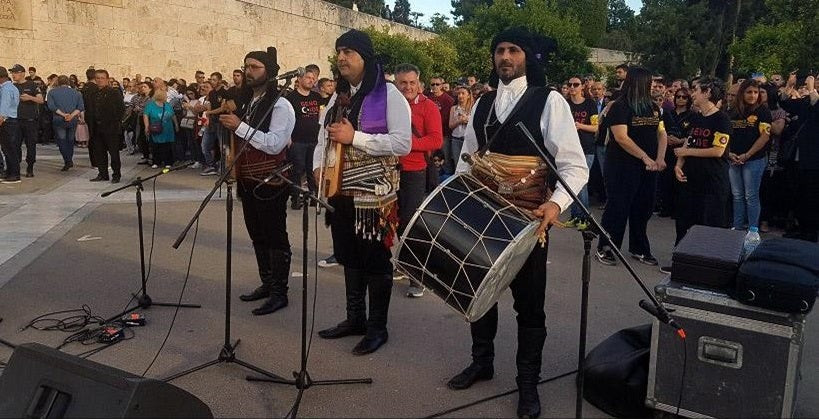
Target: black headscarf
[
  {"x": 361, "y": 43},
  {"x": 268, "y": 58},
  {"x": 536, "y": 47}
]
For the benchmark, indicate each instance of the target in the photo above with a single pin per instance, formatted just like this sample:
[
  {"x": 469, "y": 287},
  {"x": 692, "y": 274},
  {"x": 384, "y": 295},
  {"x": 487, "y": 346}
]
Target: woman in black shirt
[
  {"x": 751, "y": 125},
  {"x": 635, "y": 152},
  {"x": 702, "y": 167}
]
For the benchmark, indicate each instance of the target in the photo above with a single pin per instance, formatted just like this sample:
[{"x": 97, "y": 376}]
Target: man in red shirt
[
  {"x": 427, "y": 136},
  {"x": 444, "y": 102}
]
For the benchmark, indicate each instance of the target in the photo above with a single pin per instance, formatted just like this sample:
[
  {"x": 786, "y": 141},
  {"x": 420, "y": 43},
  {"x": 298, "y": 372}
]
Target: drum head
[{"x": 466, "y": 244}]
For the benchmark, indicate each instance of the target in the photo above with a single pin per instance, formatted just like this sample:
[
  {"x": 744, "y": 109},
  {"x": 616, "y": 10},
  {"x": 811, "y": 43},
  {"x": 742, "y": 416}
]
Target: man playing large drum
[{"x": 518, "y": 57}]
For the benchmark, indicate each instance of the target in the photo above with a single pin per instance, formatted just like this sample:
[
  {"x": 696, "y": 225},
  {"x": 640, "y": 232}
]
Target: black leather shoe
[
  {"x": 273, "y": 304},
  {"x": 528, "y": 402},
  {"x": 371, "y": 343},
  {"x": 99, "y": 178},
  {"x": 115, "y": 179},
  {"x": 472, "y": 374},
  {"x": 343, "y": 329},
  {"x": 257, "y": 294}
]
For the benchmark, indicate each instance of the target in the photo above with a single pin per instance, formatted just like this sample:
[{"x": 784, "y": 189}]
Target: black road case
[{"x": 741, "y": 361}]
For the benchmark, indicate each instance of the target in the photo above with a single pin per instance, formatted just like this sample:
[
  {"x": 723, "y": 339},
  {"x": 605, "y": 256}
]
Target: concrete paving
[{"x": 62, "y": 246}]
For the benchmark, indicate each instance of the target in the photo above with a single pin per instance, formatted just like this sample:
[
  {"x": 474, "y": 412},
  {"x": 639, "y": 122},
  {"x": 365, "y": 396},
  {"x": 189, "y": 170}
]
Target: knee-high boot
[
  {"x": 355, "y": 287},
  {"x": 530, "y": 352},
  {"x": 280, "y": 274},
  {"x": 380, "y": 289},
  {"x": 483, "y": 333},
  {"x": 263, "y": 260}
]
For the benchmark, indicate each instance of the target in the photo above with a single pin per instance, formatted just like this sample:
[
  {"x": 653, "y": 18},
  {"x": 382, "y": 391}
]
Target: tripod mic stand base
[
  {"x": 303, "y": 380},
  {"x": 145, "y": 302},
  {"x": 228, "y": 355}
]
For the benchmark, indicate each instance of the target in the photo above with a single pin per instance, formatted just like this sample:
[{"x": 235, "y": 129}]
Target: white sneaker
[
  {"x": 195, "y": 165},
  {"x": 329, "y": 262},
  {"x": 154, "y": 166},
  {"x": 414, "y": 291},
  {"x": 398, "y": 275}
]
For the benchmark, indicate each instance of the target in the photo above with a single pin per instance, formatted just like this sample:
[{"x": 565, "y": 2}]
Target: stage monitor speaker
[{"x": 41, "y": 382}]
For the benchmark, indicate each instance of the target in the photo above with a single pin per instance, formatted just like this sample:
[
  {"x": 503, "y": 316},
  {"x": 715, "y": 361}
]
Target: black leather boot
[
  {"x": 355, "y": 287},
  {"x": 263, "y": 260},
  {"x": 483, "y": 352},
  {"x": 530, "y": 351},
  {"x": 280, "y": 265},
  {"x": 380, "y": 288}
]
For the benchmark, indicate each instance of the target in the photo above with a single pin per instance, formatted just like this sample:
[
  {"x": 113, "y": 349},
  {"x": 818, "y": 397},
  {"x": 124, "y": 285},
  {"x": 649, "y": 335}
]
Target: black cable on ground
[
  {"x": 497, "y": 396},
  {"x": 178, "y": 302}
]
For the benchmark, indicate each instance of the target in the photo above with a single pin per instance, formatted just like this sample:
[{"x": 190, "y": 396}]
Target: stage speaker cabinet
[
  {"x": 741, "y": 361},
  {"x": 41, "y": 382}
]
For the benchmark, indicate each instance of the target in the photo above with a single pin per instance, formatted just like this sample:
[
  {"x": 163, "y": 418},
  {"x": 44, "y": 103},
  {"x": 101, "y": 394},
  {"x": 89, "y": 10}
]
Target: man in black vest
[
  {"x": 517, "y": 61},
  {"x": 265, "y": 208}
]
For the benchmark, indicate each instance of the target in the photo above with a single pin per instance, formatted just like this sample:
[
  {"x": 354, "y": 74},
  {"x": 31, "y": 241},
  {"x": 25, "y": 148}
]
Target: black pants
[
  {"x": 10, "y": 144},
  {"x": 630, "y": 189},
  {"x": 666, "y": 182},
  {"x": 265, "y": 214},
  {"x": 367, "y": 266},
  {"x": 27, "y": 133},
  {"x": 410, "y": 196},
  {"x": 529, "y": 292},
  {"x": 142, "y": 140},
  {"x": 163, "y": 153},
  {"x": 696, "y": 206},
  {"x": 807, "y": 208},
  {"x": 104, "y": 143},
  {"x": 301, "y": 156}
]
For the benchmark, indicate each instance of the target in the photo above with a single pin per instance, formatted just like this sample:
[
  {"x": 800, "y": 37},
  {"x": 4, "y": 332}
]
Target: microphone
[
  {"x": 662, "y": 317},
  {"x": 277, "y": 173},
  {"x": 290, "y": 74},
  {"x": 467, "y": 158}
]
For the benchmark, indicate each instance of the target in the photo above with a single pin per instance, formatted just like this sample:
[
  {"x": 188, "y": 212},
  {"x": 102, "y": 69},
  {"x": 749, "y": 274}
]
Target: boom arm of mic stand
[
  {"x": 228, "y": 169},
  {"x": 658, "y": 311},
  {"x": 303, "y": 191},
  {"x": 139, "y": 181}
]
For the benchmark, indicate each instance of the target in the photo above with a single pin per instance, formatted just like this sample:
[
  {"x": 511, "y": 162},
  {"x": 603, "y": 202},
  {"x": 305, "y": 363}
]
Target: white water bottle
[{"x": 752, "y": 240}]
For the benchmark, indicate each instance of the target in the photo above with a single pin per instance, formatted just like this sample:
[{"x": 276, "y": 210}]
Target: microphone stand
[
  {"x": 228, "y": 352},
  {"x": 303, "y": 381},
  {"x": 654, "y": 307},
  {"x": 144, "y": 301}
]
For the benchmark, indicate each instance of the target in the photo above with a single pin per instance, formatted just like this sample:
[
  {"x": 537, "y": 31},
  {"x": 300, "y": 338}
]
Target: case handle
[{"x": 720, "y": 352}]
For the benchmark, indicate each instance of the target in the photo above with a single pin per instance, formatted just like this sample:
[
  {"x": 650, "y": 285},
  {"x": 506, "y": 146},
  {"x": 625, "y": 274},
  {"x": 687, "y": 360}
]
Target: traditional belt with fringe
[
  {"x": 519, "y": 179},
  {"x": 373, "y": 183}
]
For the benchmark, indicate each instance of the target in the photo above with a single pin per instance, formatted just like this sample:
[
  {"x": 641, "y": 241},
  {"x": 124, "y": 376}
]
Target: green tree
[
  {"x": 438, "y": 23},
  {"x": 401, "y": 12},
  {"x": 785, "y": 39},
  {"x": 591, "y": 15},
  {"x": 464, "y": 10},
  {"x": 621, "y": 17}
]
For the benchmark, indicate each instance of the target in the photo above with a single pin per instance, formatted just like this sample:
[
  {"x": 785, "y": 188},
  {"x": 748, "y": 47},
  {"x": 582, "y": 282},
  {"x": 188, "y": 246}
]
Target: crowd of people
[{"x": 741, "y": 155}]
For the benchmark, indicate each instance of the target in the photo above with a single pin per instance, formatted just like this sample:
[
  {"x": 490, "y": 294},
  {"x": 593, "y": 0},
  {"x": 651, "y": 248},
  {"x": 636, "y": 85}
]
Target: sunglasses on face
[
  {"x": 435, "y": 84},
  {"x": 574, "y": 84}
]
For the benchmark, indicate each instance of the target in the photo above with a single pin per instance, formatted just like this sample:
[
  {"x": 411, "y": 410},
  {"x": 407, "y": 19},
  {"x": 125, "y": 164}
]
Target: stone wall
[{"x": 173, "y": 38}]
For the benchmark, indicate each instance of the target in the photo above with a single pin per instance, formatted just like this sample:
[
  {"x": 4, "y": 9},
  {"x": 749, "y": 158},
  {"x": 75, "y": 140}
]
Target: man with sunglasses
[
  {"x": 444, "y": 102},
  {"x": 584, "y": 112}
]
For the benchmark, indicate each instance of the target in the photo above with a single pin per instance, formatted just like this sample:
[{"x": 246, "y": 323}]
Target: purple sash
[{"x": 372, "y": 118}]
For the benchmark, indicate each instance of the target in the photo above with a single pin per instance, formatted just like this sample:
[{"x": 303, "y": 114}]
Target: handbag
[
  {"x": 188, "y": 122},
  {"x": 81, "y": 135},
  {"x": 155, "y": 128}
]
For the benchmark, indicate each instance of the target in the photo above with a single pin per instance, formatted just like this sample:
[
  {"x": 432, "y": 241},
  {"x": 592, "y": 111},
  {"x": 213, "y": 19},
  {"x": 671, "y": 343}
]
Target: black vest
[
  {"x": 510, "y": 140},
  {"x": 258, "y": 119}
]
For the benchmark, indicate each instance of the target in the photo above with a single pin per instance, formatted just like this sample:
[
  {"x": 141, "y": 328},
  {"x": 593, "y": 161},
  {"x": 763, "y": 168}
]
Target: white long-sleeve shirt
[
  {"x": 396, "y": 142},
  {"x": 559, "y": 136},
  {"x": 282, "y": 122}
]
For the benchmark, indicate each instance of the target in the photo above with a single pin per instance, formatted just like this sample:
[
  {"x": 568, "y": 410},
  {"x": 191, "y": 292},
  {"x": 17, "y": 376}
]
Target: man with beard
[
  {"x": 374, "y": 131},
  {"x": 522, "y": 97},
  {"x": 307, "y": 104},
  {"x": 264, "y": 207},
  {"x": 104, "y": 124}
]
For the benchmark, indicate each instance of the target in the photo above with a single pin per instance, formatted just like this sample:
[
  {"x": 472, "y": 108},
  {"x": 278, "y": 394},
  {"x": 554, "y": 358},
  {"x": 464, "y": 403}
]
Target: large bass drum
[{"x": 466, "y": 243}]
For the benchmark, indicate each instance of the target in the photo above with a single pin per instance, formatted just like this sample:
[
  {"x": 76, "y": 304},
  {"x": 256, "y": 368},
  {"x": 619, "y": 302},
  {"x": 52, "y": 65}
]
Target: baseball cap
[{"x": 17, "y": 68}]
